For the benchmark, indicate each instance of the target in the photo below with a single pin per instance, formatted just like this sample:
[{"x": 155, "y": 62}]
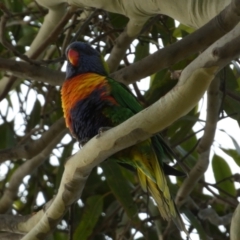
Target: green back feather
[{"x": 124, "y": 97}]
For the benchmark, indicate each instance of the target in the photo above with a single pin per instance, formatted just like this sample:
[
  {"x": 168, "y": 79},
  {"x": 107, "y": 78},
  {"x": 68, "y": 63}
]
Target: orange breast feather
[{"x": 79, "y": 88}]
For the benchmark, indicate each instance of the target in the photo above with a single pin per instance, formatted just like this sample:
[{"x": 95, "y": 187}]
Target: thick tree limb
[
  {"x": 195, "y": 42},
  {"x": 32, "y": 148},
  {"x": 190, "y": 13},
  {"x": 205, "y": 144}
]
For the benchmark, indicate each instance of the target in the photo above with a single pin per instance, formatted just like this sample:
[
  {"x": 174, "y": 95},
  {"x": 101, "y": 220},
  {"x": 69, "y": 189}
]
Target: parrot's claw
[
  {"x": 82, "y": 142},
  {"x": 102, "y": 130}
]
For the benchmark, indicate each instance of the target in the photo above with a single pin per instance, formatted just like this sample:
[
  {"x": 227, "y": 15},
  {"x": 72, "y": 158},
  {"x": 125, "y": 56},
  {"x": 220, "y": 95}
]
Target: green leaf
[
  {"x": 6, "y": 130},
  {"x": 196, "y": 224},
  {"x": 120, "y": 188},
  {"x": 60, "y": 235},
  {"x": 221, "y": 170},
  {"x": 184, "y": 127},
  {"x": 232, "y": 108},
  {"x": 118, "y": 20},
  {"x": 234, "y": 154},
  {"x": 27, "y": 34},
  {"x": 182, "y": 31},
  {"x": 231, "y": 101},
  {"x": 160, "y": 84},
  {"x": 35, "y": 115},
  {"x": 141, "y": 51},
  {"x": 91, "y": 214}
]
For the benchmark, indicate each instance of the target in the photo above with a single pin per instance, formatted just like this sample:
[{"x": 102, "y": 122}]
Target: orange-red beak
[{"x": 73, "y": 57}]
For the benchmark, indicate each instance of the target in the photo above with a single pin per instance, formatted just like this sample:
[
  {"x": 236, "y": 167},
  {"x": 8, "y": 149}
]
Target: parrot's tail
[{"x": 159, "y": 190}]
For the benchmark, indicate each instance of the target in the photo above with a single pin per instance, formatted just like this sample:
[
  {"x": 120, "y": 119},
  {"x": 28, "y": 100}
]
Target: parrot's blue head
[{"x": 82, "y": 58}]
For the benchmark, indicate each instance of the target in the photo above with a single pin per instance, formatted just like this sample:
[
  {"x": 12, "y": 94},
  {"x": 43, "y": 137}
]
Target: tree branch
[
  {"x": 205, "y": 144},
  {"x": 32, "y": 148},
  {"x": 212, "y": 216},
  {"x": 26, "y": 71},
  {"x": 195, "y": 42},
  {"x": 8, "y": 236},
  {"x": 36, "y": 49},
  {"x": 25, "y": 169},
  {"x": 122, "y": 43},
  {"x": 187, "y": 12},
  {"x": 21, "y": 224}
]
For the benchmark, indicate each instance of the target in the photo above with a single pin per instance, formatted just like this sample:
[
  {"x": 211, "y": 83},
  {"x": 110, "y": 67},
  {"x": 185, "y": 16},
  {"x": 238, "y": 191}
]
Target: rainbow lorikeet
[{"x": 91, "y": 100}]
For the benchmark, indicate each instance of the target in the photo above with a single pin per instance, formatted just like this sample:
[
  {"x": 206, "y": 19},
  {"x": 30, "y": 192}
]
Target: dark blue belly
[{"x": 87, "y": 116}]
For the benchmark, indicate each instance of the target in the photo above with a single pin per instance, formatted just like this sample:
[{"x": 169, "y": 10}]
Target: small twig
[
  {"x": 101, "y": 36},
  {"x": 25, "y": 169},
  {"x": 186, "y": 138},
  {"x": 8, "y": 87},
  {"x": 139, "y": 95},
  {"x": 9, "y": 46},
  {"x": 219, "y": 197},
  {"x": 222, "y": 190},
  {"x": 162, "y": 19},
  {"x": 135, "y": 86},
  {"x": 31, "y": 148},
  {"x": 68, "y": 34},
  {"x": 190, "y": 151},
  {"x": 214, "y": 218},
  {"x": 85, "y": 24},
  {"x": 149, "y": 24},
  {"x": 71, "y": 221},
  {"x": 232, "y": 95},
  {"x": 5, "y": 10},
  {"x": 223, "y": 180},
  {"x": 229, "y": 115}
]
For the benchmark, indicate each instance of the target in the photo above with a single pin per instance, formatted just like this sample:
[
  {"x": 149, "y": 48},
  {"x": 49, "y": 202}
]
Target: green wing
[
  {"x": 129, "y": 106},
  {"x": 124, "y": 97},
  {"x": 128, "y": 102}
]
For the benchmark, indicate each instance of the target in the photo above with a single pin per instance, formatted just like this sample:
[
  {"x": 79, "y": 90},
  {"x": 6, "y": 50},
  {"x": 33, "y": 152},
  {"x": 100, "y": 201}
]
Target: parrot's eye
[{"x": 73, "y": 57}]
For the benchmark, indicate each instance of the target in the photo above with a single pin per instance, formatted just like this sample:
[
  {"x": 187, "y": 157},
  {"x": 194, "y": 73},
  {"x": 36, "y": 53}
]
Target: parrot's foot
[
  {"x": 102, "y": 130},
  {"x": 82, "y": 142}
]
